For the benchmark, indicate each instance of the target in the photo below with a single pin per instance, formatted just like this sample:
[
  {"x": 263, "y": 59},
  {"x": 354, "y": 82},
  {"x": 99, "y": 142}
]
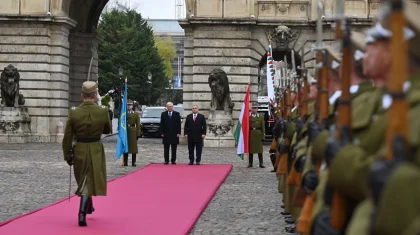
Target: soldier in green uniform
[
  {"x": 85, "y": 124},
  {"x": 350, "y": 165},
  {"x": 133, "y": 133},
  {"x": 256, "y": 135},
  {"x": 396, "y": 208}
]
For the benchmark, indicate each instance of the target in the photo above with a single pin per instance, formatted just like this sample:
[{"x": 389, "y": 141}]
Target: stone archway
[
  {"x": 278, "y": 55},
  {"x": 51, "y": 44}
]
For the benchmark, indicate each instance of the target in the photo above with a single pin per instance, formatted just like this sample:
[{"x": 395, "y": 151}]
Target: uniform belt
[
  {"x": 87, "y": 140},
  {"x": 255, "y": 129},
  {"x": 131, "y": 125}
]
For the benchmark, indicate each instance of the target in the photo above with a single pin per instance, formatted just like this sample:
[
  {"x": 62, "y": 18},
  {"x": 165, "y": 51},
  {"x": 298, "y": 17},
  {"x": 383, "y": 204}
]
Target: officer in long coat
[
  {"x": 133, "y": 133},
  {"x": 256, "y": 135},
  {"x": 85, "y": 125}
]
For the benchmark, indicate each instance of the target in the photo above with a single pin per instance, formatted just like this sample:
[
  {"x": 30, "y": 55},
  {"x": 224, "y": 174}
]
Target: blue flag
[{"x": 122, "y": 142}]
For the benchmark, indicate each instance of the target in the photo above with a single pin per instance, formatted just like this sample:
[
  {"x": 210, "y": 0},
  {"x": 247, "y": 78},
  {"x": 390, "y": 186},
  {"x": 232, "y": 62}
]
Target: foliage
[
  {"x": 105, "y": 100},
  {"x": 128, "y": 43},
  {"x": 167, "y": 51}
]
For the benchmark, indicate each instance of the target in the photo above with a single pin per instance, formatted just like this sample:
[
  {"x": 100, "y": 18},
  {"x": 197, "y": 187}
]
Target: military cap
[
  {"x": 89, "y": 87},
  {"x": 129, "y": 102},
  {"x": 358, "y": 40},
  {"x": 312, "y": 80},
  {"x": 333, "y": 58},
  {"x": 381, "y": 30},
  {"x": 254, "y": 105}
]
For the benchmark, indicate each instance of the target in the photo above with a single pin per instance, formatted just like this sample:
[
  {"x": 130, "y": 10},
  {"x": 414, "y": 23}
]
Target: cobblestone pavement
[{"x": 35, "y": 175}]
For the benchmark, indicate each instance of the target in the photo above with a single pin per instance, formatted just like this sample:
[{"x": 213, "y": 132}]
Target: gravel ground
[{"x": 34, "y": 175}]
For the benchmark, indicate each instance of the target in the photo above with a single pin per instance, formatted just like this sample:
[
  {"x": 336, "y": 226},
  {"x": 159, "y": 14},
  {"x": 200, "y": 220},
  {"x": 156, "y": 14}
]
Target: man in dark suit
[
  {"x": 170, "y": 130},
  {"x": 195, "y": 130}
]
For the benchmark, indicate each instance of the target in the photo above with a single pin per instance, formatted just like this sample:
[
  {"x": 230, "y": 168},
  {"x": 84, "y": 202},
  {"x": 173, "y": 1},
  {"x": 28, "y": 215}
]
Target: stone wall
[
  {"x": 52, "y": 52},
  {"x": 228, "y": 47},
  {"x": 39, "y": 48}
]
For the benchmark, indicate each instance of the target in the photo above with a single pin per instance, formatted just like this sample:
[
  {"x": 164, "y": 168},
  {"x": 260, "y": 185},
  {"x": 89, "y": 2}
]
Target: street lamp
[{"x": 149, "y": 80}]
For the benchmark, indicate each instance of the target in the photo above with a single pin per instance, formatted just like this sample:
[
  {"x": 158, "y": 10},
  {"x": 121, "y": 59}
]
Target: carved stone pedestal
[
  {"x": 15, "y": 125},
  {"x": 219, "y": 130}
]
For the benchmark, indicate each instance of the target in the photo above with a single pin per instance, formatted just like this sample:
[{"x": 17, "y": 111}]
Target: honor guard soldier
[
  {"x": 85, "y": 124},
  {"x": 133, "y": 133},
  {"x": 256, "y": 135}
]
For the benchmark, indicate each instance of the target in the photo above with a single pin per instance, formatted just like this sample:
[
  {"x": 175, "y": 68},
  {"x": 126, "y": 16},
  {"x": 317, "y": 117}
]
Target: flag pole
[
  {"x": 247, "y": 154},
  {"x": 122, "y": 159}
]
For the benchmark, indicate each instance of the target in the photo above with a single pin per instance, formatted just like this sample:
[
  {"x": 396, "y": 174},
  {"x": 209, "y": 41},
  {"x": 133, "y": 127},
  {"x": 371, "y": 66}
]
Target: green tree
[
  {"x": 167, "y": 51},
  {"x": 128, "y": 43}
]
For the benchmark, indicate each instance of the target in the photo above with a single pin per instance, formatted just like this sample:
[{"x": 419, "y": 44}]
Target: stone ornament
[
  {"x": 220, "y": 92},
  {"x": 219, "y": 130},
  {"x": 9, "y": 83},
  {"x": 283, "y": 35}
]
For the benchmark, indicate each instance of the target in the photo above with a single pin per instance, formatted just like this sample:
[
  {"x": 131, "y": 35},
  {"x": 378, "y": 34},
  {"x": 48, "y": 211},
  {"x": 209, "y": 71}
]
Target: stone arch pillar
[
  {"x": 49, "y": 43},
  {"x": 83, "y": 47}
]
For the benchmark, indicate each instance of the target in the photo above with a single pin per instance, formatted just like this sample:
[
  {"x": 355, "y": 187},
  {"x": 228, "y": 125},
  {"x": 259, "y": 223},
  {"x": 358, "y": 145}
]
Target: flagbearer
[
  {"x": 86, "y": 123},
  {"x": 133, "y": 133},
  {"x": 256, "y": 135}
]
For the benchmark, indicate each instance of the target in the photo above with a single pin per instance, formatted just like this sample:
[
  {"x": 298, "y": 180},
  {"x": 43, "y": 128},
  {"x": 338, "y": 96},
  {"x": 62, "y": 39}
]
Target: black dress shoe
[
  {"x": 166, "y": 163},
  {"x": 133, "y": 165},
  {"x": 290, "y": 221},
  {"x": 83, "y": 208},
  {"x": 284, "y": 213},
  {"x": 282, "y": 206},
  {"x": 197, "y": 163},
  {"x": 190, "y": 163},
  {"x": 173, "y": 163},
  {"x": 291, "y": 229},
  {"x": 90, "y": 208}
]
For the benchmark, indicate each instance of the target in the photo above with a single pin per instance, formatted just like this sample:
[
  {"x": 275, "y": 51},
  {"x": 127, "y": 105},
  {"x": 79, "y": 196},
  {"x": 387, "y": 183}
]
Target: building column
[
  {"x": 38, "y": 47},
  {"x": 83, "y": 46}
]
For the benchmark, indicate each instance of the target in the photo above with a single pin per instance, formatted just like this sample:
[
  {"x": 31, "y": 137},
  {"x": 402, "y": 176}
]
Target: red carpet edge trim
[
  {"x": 188, "y": 230},
  {"x": 65, "y": 199}
]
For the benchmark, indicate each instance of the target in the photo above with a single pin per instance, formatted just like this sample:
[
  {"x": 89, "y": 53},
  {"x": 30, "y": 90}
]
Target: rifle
[
  {"x": 322, "y": 106},
  {"x": 396, "y": 117},
  {"x": 339, "y": 204}
]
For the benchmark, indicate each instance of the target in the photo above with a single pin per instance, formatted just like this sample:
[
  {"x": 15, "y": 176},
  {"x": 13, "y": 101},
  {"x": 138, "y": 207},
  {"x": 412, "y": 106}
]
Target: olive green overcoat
[
  {"x": 133, "y": 131},
  {"x": 88, "y": 120},
  {"x": 399, "y": 205},
  {"x": 256, "y": 134}
]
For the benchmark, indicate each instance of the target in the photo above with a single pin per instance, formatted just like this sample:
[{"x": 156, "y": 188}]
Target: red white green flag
[
  {"x": 270, "y": 75},
  {"x": 242, "y": 128}
]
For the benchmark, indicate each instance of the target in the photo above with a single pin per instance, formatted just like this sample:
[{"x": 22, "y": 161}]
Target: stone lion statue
[
  {"x": 220, "y": 93},
  {"x": 9, "y": 83}
]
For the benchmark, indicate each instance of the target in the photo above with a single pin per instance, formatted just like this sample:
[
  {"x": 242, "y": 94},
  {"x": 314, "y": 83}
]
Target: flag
[
  {"x": 270, "y": 75},
  {"x": 122, "y": 142},
  {"x": 242, "y": 128}
]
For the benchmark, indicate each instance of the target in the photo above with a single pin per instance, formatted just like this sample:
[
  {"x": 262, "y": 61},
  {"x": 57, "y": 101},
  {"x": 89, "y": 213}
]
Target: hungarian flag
[
  {"x": 242, "y": 129},
  {"x": 270, "y": 74}
]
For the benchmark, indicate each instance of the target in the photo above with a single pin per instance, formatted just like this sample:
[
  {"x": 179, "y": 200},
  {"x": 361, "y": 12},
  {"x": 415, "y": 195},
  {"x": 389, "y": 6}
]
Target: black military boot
[
  {"x": 125, "y": 159},
  {"x": 260, "y": 159},
  {"x": 90, "y": 209},
  {"x": 84, "y": 204},
  {"x": 133, "y": 160},
  {"x": 251, "y": 159}
]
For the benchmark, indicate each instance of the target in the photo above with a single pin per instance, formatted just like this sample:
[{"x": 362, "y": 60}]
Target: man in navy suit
[
  {"x": 195, "y": 130},
  {"x": 170, "y": 130}
]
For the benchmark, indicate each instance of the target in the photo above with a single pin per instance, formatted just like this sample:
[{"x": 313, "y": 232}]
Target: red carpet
[{"x": 155, "y": 200}]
